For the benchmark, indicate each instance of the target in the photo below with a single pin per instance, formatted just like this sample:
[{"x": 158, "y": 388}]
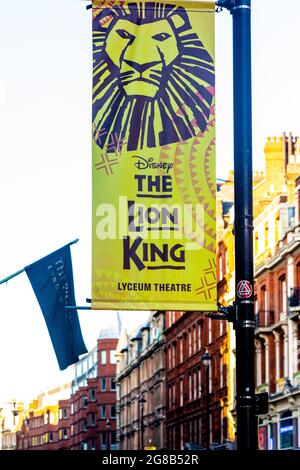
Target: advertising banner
[{"x": 154, "y": 229}]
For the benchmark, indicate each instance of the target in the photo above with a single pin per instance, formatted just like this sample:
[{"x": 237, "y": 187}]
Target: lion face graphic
[
  {"x": 153, "y": 79},
  {"x": 141, "y": 59}
]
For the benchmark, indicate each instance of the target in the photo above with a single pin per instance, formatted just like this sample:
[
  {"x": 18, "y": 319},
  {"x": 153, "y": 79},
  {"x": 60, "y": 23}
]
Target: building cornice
[{"x": 279, "y": 256}]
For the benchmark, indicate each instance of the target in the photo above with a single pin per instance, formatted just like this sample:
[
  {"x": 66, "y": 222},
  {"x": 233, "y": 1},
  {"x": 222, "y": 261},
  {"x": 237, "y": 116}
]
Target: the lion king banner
[{"x": 154, "y": 231}]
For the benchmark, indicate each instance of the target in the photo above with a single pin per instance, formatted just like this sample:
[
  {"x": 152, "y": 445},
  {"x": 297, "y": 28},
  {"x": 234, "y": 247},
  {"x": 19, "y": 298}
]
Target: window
[
  {"x": 190, "y": 387},
  {"x": 221, "y": 322},
  {"x": 93, "y": 419},
  {"x": 84, "y": 366},
  {"x": 65, "y": 434},
  {"x": 195, "y": 385},
  {"x": 169, "y": 365},
  {"x": 103, "y": 439},
  {"x": 85, "y": 425},
  {"x": 85, "y": 401},
  {"x": 154, "y": 333},
  {"x": 181, "y": 392},
  {"x": 264, "y": 298},
  {"x": 103, "y": 384},
  {"x": 112, "y": 384},
  {"x": 84, "y": 445},
  {"x": 113, "y": 438},
  {"x": 220, "y": 262},
  {"x": 199, "y": 336},
  {"x": 190, "y": 342},
  {"x": 181, "y": 437},
  {"x": 173, "y": 395},
  {"x": 92, "y": 394},
  {"x": 199, "y": 383},
  {"x": 113, "y": 412},
  {"x": 286, "y": 430},
  {"x": 194, "y": 340},
  {"x": 282, "y": 295},
  {"x": 63, "y": 413},
  {"x": 72, "y": 408},
  {"x": 171, "y": 315},
  {"x": 113, "y": 359},
  {"x": 209, "y": 331},
  {"x": 180, "y": 349},
  {"x": 266, "y": 236},
  {"x": 103, "y": 357},
  {"x": 95, "y": 357},
  {"x": 103, "y": 411},
  {"x": 173, "y": 355},
  {"x": 93, "y": 444},
  {"x": 50, "y": 436},
  {"x": 191, "y": 437}
]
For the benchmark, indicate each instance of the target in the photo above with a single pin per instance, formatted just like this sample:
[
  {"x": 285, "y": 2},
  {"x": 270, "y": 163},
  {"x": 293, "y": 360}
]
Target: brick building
[
  {"x": 277, "y": 272},
  {"x": 188, "y": 336},
  {"x": 39, "y": 429},
  {"x": 10, "y": 423},
  {"x": 81, "y": 415},
  {"x": 141, "y": 382}
]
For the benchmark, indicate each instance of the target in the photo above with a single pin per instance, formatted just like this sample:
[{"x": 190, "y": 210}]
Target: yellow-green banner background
[{"x": 153, "y": 106}]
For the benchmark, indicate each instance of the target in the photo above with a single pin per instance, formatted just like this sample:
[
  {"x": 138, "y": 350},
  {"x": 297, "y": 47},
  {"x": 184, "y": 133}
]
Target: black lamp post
[
  {"x": 107, "y": 425},
  {"x": 206, "y": 358},
  {"x": 142, "y": 402}
]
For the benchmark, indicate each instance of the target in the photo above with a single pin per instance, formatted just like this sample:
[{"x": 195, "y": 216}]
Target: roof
[
  {"x": 123, "y": 341},
  {"x": 112, "y": 328}
]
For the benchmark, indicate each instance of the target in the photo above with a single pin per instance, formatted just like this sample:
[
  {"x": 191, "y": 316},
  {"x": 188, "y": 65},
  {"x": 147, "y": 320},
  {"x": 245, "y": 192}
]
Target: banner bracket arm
[
  {"x": 227, "y": 4},
  {"x": 8, "y": 278},
  {"x": 227, "y": 313}
]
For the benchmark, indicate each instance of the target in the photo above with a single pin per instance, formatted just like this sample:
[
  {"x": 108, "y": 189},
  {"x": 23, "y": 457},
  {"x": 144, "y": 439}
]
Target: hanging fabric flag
[
  {"x": 52, "y": 281},
  {"x": 154, "y": 227}
]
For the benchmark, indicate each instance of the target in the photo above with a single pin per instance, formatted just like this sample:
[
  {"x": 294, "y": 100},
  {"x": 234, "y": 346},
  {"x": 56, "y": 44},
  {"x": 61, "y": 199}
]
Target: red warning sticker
[{"x": 244, "y": 290}]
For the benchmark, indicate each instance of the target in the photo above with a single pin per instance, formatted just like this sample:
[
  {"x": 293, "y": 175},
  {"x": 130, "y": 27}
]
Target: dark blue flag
[{"x": 52, "y": 281}]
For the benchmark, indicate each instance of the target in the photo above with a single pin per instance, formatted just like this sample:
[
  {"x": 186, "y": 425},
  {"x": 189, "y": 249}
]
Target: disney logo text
[{"x": 143, "y": 163}]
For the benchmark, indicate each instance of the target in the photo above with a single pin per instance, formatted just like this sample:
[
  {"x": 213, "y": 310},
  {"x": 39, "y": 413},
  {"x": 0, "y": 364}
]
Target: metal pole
[
  {"x": 243, "y": 226},
  {"x": 207, "y": 408}
]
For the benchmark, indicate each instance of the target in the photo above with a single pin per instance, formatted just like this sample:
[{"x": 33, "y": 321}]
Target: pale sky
[{"x": 45, "y": 151}]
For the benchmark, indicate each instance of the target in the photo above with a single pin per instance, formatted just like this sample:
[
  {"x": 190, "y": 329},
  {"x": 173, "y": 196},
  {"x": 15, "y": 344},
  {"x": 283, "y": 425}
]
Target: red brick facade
[{"x": 188, "y": 336}]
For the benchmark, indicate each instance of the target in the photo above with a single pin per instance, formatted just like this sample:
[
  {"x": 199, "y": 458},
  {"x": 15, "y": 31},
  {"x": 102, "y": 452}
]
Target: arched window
[
  {"x": 266, "y": 231},
  {"x": 282, "y": 293}
]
